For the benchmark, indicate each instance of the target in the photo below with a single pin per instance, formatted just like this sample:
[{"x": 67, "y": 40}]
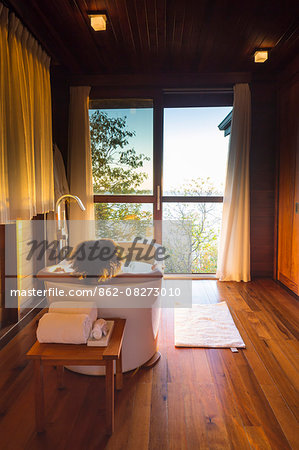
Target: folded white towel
[
  {"x": 89, "y": 308},
  {"x": 64, "y": 328},
  {"x": 100, "y": 329}
]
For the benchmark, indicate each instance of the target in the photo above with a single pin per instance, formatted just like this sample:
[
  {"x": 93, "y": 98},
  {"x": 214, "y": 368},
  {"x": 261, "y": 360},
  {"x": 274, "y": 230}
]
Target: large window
[{"x": 129, "y": 147}]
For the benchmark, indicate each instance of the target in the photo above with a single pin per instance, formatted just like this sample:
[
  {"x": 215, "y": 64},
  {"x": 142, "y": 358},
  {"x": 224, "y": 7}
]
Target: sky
[{"x": 193, "y": 145}]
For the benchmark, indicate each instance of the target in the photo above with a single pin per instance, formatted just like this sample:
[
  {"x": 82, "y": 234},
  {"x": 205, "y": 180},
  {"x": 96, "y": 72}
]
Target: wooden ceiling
[{"x": 164, "y": 36}]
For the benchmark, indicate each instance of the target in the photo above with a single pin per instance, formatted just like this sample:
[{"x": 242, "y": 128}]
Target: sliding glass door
[
  {"x": 195, "y": 154},
  {"x": 159, "y": 173}
]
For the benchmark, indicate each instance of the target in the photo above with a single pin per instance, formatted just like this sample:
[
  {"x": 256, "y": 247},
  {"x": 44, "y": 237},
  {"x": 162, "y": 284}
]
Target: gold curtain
[
  {"x": 4, "y": 205},
  {"x": 26, "y": 149}
]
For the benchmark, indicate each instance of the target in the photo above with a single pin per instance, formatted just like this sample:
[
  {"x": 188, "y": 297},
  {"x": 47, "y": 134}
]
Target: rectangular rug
[{"x": 206, "y": 326}]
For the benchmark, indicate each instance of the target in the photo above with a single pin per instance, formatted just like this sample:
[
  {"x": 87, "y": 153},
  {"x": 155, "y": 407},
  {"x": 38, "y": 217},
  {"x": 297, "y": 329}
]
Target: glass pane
[
  {"x": 122, "y": 147},
  {"x": 199, "y": 229},
  {"x": 195, "y": 151},
  {"x": 124, "y": 221}
]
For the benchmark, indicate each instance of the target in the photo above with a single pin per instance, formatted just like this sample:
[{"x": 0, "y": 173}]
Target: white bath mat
[{"x": 206, "y": 326}]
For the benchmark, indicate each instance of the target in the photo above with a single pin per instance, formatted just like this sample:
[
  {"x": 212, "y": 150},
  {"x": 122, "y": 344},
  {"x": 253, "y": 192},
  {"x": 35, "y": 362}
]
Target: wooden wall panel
[
  {"x": 60, "y": 107},
  {"x": 8, "y": 261},
  {"x": 262, "y": 177},
  {"x": 2, "y": 275},
  {"x": 288, "y": 219}
]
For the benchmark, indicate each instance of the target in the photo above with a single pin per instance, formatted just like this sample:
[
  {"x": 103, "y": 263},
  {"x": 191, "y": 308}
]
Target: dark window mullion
[
  {"x": 100, "y": 198},
  {"x": 189, "y": 199}
]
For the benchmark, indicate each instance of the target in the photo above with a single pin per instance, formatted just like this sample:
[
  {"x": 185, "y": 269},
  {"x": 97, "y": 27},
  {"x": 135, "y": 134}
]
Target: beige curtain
[
  {"x": 80, "y": 165},
  {"x": 27, "y": 151},
  {"x": 234, "y": 249}
]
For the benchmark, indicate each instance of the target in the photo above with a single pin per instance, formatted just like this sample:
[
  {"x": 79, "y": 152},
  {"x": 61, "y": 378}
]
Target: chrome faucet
[{"x": 58, "y": 211}]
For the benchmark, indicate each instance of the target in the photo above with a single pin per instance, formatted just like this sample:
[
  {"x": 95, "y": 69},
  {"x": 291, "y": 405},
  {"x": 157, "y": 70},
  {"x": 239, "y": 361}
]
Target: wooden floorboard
[{"x": 192, "y": 399}]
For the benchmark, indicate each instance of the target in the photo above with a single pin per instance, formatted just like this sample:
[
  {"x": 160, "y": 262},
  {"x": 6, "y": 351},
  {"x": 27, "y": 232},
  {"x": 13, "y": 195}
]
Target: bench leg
[
  {"x": 39, "y": 397},
  {"x": 119, "y": 373},
  {"x": 109, "y": 397}
]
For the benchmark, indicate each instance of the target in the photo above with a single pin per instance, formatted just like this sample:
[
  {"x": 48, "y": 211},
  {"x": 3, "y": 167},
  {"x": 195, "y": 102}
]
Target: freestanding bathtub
[{"x": 135, "y": 298}]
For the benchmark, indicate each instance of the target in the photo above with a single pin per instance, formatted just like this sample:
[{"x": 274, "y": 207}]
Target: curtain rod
[{"x": 12, "y": 10}]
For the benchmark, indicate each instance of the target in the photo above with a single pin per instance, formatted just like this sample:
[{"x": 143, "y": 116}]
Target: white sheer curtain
[
  {"x": 234, "y": 249},
  {"x": 27, "y": 186},
  {"x": 80, "y": 165}
]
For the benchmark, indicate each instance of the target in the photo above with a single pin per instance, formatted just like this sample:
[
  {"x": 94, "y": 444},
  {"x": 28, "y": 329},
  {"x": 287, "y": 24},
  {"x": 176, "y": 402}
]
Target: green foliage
[
  {"x": 115, "y": 165},
  {"x": 122, "y": 221},
  {"x": 195, "y": 245},
  {"x": 116, "y": 170}
]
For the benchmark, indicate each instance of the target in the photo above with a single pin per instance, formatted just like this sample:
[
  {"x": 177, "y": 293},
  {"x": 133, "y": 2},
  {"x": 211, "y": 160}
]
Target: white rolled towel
[
  {"x": 64, "y": 328},
  {"x": 89, "y": 308},
  {"x": 100, "y": 329}
]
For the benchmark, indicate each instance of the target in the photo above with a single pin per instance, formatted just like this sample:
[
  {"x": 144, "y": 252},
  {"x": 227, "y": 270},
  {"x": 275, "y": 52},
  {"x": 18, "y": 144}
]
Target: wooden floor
[{"x": 192, "y": 399}]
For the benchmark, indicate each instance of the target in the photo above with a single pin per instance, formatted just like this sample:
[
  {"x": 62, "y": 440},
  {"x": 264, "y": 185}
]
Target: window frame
[{"x": 167, "y": 98}]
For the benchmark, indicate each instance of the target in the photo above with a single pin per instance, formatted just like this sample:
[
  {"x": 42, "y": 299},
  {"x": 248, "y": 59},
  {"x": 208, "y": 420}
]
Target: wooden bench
[{"x": 61, "y": 355}]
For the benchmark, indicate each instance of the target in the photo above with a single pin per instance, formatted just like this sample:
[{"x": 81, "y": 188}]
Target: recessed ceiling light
[
  {"x": 260, "y": 56},
  {"x": 98, "y": 21}
]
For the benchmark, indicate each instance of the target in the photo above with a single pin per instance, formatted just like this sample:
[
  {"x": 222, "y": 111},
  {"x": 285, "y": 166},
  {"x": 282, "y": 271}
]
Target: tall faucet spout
[
  {"x": 65, "y": 196},
  {"x": 58, "y": 206}
]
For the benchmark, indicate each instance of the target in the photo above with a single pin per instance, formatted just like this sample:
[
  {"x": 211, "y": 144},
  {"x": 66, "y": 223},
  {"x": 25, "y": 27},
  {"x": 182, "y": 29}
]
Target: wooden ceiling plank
[
  {"x": 170, "y": 29},
  {"x": 221, "y": 51},
  {"x": 160, "y": 24},
  {"x": 108, "y": 40},
  {"x": 143, "y": 34},
  {"x": 129, "y": 40},
  {"x": 124, "y": 24},
  {"x": 100, "y": 59},
  {"x": 152, "y": 28},
  {"x": 116, "y": 48},
  {"x": 113, "y": 19},
  {"x": 147, "y": 25},
  {"x": 137, "y": 17},
  {"x": 190, "y": 34},
  {"x": 159, "y": 36},
  {"x": 133, "y": 24},
  {"x": 67, "y": 25},
  {"x": 206, "y": 36},
  {"x": 142, "y": 25},
  {"x": 160, "y": 6},
  {"x": 180, "y": 13}
]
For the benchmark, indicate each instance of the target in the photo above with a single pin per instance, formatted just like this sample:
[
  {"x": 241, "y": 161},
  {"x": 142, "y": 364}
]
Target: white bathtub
[{"x": 142, "y": 312}]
